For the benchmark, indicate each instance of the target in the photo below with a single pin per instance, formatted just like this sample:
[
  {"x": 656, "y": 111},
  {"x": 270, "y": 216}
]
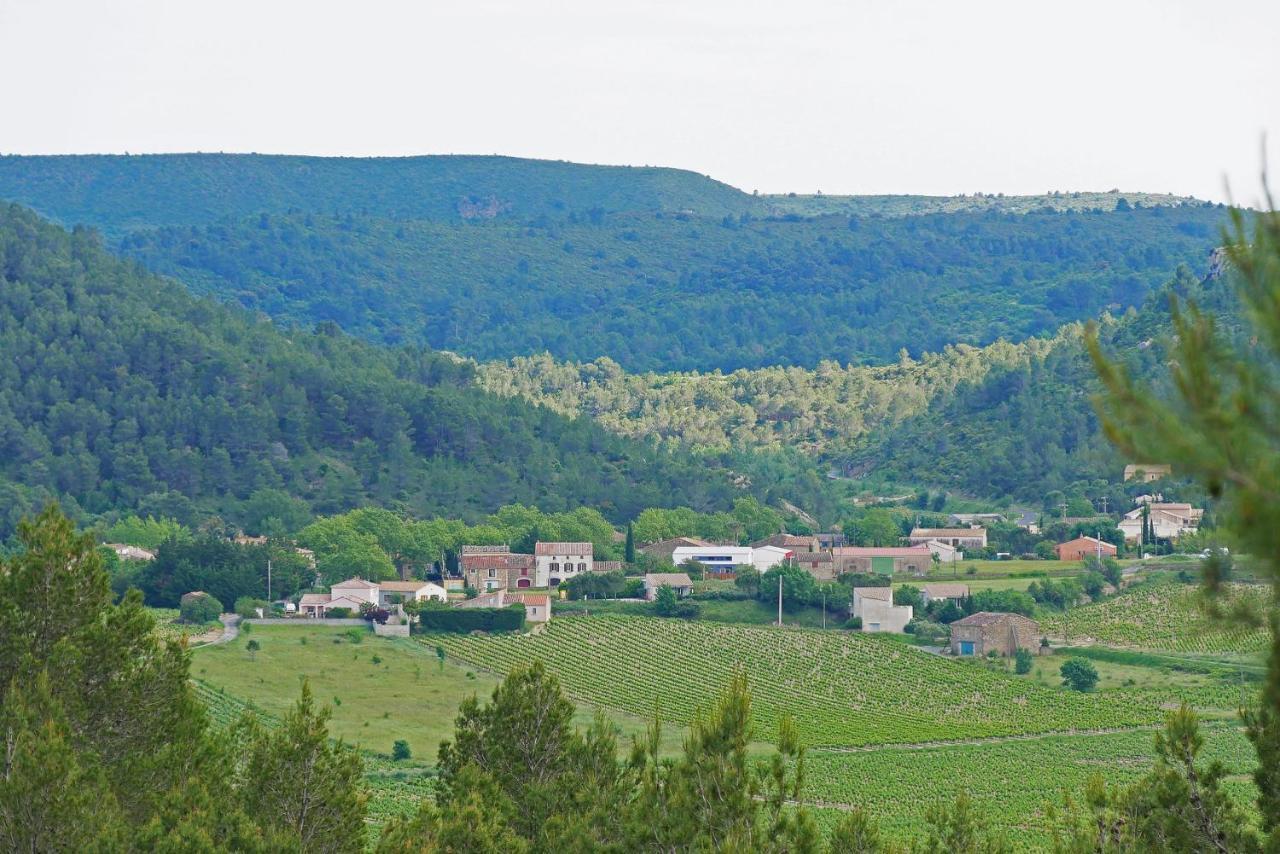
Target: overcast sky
[{"x": 844, "y": 97}]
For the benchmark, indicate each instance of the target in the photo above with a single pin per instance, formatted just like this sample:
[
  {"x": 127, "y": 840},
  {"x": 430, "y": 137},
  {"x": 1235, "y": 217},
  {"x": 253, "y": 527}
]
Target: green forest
[
  {"x": 656, "y": 269},
  {"x": 666, "y": 292},
  {"x": 120, "y": 391}
]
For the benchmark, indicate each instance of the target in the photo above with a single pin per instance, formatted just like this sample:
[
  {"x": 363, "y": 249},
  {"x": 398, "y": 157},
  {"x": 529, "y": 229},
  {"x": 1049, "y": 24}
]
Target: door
[
  {"x": 882, "y": 565},
  {"x": 966, "y": 647},
  {"x": 523, "y": 582}
]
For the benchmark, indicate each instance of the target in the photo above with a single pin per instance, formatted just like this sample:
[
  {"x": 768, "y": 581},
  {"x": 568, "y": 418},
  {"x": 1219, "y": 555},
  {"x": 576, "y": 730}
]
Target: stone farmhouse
[
  {"x": 495, "y": 568},
  {"x": 127, "y": 552},
  {"x": 987, "y": 631},
  {"x": 557, "y": 562}
]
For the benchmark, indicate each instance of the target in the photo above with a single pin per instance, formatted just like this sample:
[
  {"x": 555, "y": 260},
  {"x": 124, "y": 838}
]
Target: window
[
  {"x": 555, "y": 567},
  {"x": 875, "y": 627},
  {"x": 524, "y": 570},
  {"x": 493, "y": 573},
  {"x": 582, "y": 567}
]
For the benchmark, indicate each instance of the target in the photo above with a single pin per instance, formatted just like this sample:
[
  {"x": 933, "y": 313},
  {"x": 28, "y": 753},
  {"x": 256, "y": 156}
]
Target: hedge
[{"x": 464, "y": 620}]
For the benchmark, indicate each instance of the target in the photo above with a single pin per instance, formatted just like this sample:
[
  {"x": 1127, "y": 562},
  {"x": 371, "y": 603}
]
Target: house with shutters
[
  {"x": 1169, "y": 520},
  {"x": 558, "y": 562},
  {"x": 486, "y": 568},
  {"x": 355, "y": 593}
]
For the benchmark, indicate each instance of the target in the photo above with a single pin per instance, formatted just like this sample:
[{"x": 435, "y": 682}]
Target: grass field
[
  {"x": 841, "y": 688},
  {"x": 403, "y": 694},
  {"x": 1166, "y": 616}
]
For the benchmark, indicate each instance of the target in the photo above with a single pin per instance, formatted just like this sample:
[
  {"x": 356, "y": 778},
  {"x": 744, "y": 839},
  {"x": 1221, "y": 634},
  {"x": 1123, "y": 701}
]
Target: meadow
[
  {"x": 841, "y": 688},
  {"x": 1166, "y": 616}
]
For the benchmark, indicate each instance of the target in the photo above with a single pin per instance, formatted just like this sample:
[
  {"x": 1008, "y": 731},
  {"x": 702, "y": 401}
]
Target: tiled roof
[
  {"x": 671, "y": 579},
  {"x": 356, "y": 582},
  {"x": 314, "y": 599},
  {"x": 485, "y": 550},
  {"x": 886, "y": 551},
  {"x": 947, "y": 532},
  {"x": 883, "y": 594},
  {"x": 989, "y": 618},
  {"x": 403, "y": 586},
  {"x": 813, "y": 557},
  {"x": 562, "y": 548},
  {"x": 496, "y": 561},
  {"x": 945, "y": 591},
  {"x": 530, "y": 598}
]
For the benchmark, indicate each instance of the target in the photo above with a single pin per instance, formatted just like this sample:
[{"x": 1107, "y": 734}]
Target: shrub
[
  {"x": 400, "y": 750},
  {"x": 1079, "y": 674},
  {"x": 247, "y": 606},
  {"x": 338, "y": 613},
  {"x": 1022, "y": 660},
  {"x": 253, "y": 646},
  {"x": 354, "y": 635},
  {"x": 854, "y": 624},
  {"x": 199, "y": 607}
]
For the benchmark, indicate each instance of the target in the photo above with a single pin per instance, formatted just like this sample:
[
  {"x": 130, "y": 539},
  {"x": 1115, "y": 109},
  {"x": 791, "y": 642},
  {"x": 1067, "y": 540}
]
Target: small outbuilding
[
  {"x": 989, "y": 631},
  {"x": 679, "y": 582}
]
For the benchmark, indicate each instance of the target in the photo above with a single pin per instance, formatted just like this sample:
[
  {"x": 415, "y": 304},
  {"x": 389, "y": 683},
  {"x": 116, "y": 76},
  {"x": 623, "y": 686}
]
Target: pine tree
[
  {"x": 629, "y": 550},
  {"x": 302, "y": 786},
  {"x": 1218, "y": 427}
]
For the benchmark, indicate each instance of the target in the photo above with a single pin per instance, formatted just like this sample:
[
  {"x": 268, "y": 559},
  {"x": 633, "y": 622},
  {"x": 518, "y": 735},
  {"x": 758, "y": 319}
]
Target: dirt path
[{"x": 230, "y": 628}]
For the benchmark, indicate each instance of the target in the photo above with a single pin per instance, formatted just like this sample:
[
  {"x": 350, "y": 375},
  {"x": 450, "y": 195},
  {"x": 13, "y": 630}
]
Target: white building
[
  {"x": 874, "y": 606},
  {"x": 127, "y": 552},
  {"x": 354, "y": 593},
  {"x": 557, "y": 562},
  {"x": 946, "y": 552},
  {"x": 973, "y": 537},
  {"x": 764, "y": 558},
  {"x": 1170, "y": 521},
  {"x": 715, "y": 558}
]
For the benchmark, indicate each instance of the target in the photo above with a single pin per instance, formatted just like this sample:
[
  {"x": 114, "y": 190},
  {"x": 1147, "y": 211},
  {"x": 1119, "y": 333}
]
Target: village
[{"x": 915, "y": 587}]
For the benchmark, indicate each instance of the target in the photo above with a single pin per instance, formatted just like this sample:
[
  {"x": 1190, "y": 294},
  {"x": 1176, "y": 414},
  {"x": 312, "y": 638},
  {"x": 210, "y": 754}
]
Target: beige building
[
  {"x": 987, "y": 631},
  {"x": 496, "y": 570},
  {"x": 1147, "y": 472},
  {"x": 889, "y": 560},
  {"x": 874, "y": 606},
  {"x": 557, "y": 562},
  {"x": 938, "y": 592},
  {"x": 973, "y": 537},
  {"x": 1169, "y": 520},
  {"x": 679, "y": 582},
  {"x": 537, "y": 606}
]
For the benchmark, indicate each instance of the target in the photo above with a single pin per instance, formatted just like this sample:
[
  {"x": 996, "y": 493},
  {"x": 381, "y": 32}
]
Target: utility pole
[
  {"x": 1104, "y": 505},
  {"x": 779, "y": 600},
  {"x": 268, "y": 581},
  {"x": 824, "y": 611},
  {"x": 1063, "y": 507}
]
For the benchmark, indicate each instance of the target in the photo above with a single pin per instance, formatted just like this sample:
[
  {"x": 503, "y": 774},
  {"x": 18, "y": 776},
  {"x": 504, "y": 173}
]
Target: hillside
[
  {"x": 656, "y": 269},
  {"x": 117, "y": 193},
  {"x": 663, "y": 292},
  {"x": 119, "y": 390}
]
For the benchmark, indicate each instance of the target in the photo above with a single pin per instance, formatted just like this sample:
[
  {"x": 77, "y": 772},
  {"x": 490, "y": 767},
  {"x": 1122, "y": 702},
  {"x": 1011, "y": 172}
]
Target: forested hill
[
  {"x": 657, "y": 269},
  {"x": 119, "y": 390},
  {"x": 115, "y": 193},
  {"x": 673, "y": 292}
]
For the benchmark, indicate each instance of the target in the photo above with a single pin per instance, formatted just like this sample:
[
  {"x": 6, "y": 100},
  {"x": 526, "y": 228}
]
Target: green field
[
  {"x": 1166, "y": 616},
  {"x": 405, "y": 694},
  {"x": 841, "y": 688},
  {"x": 1011, "y": 782}
]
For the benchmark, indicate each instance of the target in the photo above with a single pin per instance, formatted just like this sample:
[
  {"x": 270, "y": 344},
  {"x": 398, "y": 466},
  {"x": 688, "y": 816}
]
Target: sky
[{"x": 896, "y": 96}]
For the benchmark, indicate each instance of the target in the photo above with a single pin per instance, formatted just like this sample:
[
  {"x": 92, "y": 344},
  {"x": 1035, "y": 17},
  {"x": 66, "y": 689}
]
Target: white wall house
[
  {"x": 765, "y": 558},
  {"x": 874, "y": 605},
  {"x": 1170, "y": 521},
  {"x": 357, "y": 589},
  {"x": 410, "y": 591},
  {"x": 558, "y": 562},
  {"x": 715, "y": 558},
  {"x": 946, "y": 552}
]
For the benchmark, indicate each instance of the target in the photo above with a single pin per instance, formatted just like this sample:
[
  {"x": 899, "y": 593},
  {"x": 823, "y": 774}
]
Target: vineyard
[
  {"x": 1011, "y": 783},
  {"x": 1168, "y": 617},
  {"x": 842, "y": 689}
]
